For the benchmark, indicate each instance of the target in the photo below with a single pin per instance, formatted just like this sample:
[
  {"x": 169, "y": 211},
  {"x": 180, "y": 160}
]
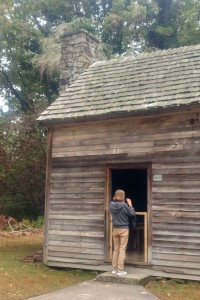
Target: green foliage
[
  {"x": 37, "y": 223},
  {"x": 15, "y": 206},
  {"x": 126, "y": 26},
  {"x": 177, "y": 24},
  {"x": 189, "y": 28},
  {"x": 164, "y": 30},
  {"x": 20, "y": 82},
  {"x": 22, "y": 177}
]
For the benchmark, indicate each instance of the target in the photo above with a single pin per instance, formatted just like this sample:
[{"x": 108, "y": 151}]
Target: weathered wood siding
[{"x": 76, "y": 201}]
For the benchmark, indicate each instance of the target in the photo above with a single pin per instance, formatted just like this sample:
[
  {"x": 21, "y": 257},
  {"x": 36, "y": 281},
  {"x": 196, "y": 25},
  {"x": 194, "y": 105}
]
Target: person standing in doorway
[{"x": 120, "y": 210}]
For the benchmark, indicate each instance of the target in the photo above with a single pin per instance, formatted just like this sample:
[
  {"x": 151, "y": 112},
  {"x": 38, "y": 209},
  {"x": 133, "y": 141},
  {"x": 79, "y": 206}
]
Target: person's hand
[{"x": 129, "y": 202}]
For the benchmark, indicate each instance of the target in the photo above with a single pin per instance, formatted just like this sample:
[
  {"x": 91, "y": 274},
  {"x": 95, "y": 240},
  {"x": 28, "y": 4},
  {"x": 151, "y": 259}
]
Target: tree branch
[
  {"x": 39, "y": 26},
  {"x": 23, "y": 104}
]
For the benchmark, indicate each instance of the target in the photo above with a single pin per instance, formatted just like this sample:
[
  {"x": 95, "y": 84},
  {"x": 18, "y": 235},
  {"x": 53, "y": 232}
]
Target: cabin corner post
[{"x": 47, "y": 192}]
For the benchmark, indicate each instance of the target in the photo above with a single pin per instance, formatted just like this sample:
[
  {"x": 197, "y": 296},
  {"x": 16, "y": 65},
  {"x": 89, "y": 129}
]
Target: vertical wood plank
[{"x": 47, "y": 192}]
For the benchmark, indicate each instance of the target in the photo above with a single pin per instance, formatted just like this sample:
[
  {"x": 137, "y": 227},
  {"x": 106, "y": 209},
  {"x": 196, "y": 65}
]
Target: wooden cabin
[{"x": 130, "y": 123}]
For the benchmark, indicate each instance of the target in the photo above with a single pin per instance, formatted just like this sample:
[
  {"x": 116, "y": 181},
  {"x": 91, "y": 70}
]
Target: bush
[{"x": 38, "y": 223}]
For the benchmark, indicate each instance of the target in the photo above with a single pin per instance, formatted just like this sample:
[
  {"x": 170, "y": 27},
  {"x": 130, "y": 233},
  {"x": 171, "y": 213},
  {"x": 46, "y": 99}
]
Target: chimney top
[
  {"x": 78, "y": 32},
  {"x": 79, "y": 50}
]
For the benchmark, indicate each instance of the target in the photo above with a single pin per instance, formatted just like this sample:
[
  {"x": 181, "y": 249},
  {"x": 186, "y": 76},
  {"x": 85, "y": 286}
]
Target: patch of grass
[
  {"x": 38, "y": 223},
  {"x": 175, "y": 289},
  {"x": 21, "y": 280}
]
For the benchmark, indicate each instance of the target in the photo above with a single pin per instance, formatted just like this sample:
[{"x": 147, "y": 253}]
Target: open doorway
[{"x": 134, "y": 183}]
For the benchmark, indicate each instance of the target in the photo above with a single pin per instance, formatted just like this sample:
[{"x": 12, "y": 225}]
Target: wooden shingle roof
[{"x": 142, "y": 84}]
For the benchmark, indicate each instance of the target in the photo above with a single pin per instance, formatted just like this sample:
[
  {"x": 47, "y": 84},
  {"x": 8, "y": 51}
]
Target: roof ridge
[{"x": 157, "y": 52}]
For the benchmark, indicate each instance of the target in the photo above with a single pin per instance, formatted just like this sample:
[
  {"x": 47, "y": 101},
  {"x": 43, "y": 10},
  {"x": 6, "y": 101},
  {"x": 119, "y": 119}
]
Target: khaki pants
[{"x": 120, "y": 240}]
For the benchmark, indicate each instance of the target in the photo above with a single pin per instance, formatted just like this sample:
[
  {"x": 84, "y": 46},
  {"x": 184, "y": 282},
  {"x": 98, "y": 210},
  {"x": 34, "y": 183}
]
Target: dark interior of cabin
[{"x": 134, "y": 183}]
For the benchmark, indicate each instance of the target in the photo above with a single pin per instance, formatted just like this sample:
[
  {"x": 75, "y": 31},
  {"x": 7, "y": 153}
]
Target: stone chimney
[{"x": 79, "y": 49}]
